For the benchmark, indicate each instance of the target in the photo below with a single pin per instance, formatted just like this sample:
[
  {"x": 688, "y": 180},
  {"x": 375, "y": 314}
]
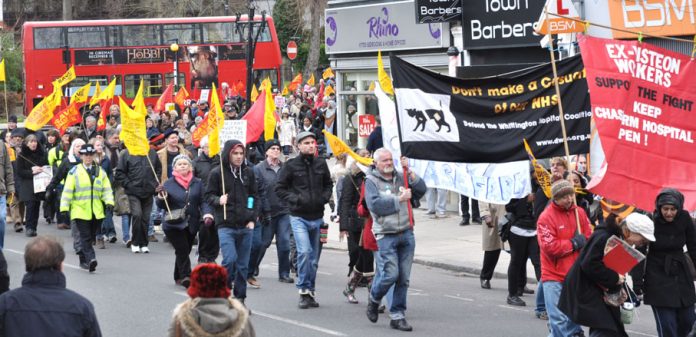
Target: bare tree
[{"x": 316, "y": 15}]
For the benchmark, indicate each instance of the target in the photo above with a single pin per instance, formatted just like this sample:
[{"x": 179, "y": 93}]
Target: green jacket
[{"x": 83, "y": 195}]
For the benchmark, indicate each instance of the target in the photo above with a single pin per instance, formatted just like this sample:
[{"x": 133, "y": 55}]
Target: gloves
[
  {"x": 159, "y": 189},
  {"x": 578, "y": 242},
  {"x": 109, "y": 208},
  {"x": 208, "y": 222}
]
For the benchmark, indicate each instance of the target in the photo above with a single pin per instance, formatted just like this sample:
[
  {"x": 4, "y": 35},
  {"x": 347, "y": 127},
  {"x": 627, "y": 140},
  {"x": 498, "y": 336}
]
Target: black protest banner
[{"x": 485, "y": 120}]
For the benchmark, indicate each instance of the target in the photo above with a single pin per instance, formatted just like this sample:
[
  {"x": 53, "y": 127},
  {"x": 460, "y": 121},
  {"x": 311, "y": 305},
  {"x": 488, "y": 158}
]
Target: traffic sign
[{"x": 292, "y": 50}]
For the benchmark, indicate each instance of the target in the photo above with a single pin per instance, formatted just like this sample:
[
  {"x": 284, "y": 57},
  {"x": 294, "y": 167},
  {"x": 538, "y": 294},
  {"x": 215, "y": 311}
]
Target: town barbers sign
[{"x": 500, "y": 23}]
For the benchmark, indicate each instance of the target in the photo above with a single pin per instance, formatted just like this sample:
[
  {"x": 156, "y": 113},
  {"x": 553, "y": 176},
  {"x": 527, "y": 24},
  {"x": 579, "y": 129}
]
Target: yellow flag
[
  {"x": 372, "y": 86},
  {"x": 139, "y": 100},
  {"x": 133, "y": 131},
  {"x": 266, "y": 84},
  {"x": 95, "y": 96},
  {"x": 2, "y": 70},
  {"x": 107, "y": 94},
  {"x": 269, "y": 120},
  {"x": 328, "y": 73},
  {"x": 81, "y": 95},
  {"x": 42, "y": 113},
  {"x": 542, "y": 175},
  {"x": 66, "y": 78},
  {"x": 328, "y": 90},
  {"x": 384, "y": 81},
  {"x": 215, "y": 123},
  {"x": 254, "y": 93},
  {"x": 311, "y": 80},
  {"x": 339, "y": 147},
  {"x": 285, "y": 91}
]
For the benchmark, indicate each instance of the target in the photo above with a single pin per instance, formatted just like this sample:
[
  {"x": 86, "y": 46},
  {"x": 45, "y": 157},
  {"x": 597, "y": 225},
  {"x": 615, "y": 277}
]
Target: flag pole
[
  {"x": 222, "y": 178},
  {"x": 4, "y": 89},
  {"x": 561, "y": 115},
  {"x": 408, "y": 202},
  {"x": 157, "y": 179}
]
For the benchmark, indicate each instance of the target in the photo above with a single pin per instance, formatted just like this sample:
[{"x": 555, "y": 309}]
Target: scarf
[{"x": 184, "y": 181}]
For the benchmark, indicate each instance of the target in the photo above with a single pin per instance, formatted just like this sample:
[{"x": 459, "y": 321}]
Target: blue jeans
[
  {"x": 125, "y": 227},
  {"x": 107, "y": 227},
  {"x": 280, "y": 228},
  {"x": 256, "y": 244},
  {"x": 559, "y": 323},
  {"x": 396, "y": 257},
  {"x": 3, "y": 219},
  {"x": 235, "y": 244},
  {"x": 379, "y": 264},
  {"x": 306, "y": 234},
  {"x": 540, "y": 305}
]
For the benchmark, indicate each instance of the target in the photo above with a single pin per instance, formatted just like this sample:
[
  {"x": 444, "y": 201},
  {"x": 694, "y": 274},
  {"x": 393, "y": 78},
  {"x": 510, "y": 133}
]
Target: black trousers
[
  {"x": 140, "y": 208},
  {"x": 464, "y": 204},
  {"x": 87, "y": 230},
  {"x": 33, "y": 208},
  {"x": 490, "y": 259},
  {"x": 521, "y": 249},
  {"x": 182, "y": 241},
  {"x": 361, "y": 259},
  {"x": 208, "y": 243}
]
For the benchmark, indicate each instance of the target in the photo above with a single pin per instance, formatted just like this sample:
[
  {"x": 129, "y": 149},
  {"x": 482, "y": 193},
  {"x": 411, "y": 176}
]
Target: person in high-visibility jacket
[{"x": 87, "y": 192}]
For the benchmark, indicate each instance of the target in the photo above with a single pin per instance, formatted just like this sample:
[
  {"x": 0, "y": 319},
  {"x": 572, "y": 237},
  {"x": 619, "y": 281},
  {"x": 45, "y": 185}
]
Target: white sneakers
[
  {"x": 135, "y": 249},
  {"x": 144, "y": 250}
]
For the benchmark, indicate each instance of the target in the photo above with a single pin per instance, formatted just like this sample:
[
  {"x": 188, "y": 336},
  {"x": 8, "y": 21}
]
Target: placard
[
  {"x": 41, "y": 180},
  {"x": 233, "y": 129}
]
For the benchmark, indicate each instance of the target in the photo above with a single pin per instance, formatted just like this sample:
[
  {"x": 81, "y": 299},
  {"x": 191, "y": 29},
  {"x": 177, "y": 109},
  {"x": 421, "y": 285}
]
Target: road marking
[
  {"x": 460, "y": 298},
  {"x": 324, "y": 273},
  {"x": 512, "y": 308},
  {"x": 22, "y": 253},
  {"x": 641, "y": 333},
  {"x": 286, "y": 320}
]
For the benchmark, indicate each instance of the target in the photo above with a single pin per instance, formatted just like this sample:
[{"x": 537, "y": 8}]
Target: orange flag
[
  {"x": 66, "y": 118},
  {"x": 180, "y": 98},
  {"x": 165, "y": 98},
  {"x": 297, "y": 81},
  {"x": 311, "y": 80}
]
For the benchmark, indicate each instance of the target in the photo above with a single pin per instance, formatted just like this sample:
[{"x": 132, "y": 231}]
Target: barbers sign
[
  {"x": 500, "y": 23},
  {"x": 431, "y": 11}
]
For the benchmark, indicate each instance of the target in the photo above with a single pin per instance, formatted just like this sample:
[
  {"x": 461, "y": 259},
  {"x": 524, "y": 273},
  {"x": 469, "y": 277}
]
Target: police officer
[{"x": 86, "y": 193}]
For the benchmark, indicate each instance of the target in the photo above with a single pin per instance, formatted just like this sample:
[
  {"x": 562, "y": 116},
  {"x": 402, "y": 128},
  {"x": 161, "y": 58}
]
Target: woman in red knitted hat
[{"x": 210, "y": 311}]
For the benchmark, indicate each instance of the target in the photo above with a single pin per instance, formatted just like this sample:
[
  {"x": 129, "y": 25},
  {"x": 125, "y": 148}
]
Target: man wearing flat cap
[{"x": 304, "y": 183}]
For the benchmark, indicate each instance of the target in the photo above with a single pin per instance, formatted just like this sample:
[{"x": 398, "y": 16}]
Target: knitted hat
[
  {"x": 182, "y": 157},
  {"x": 209, "y": 280},
  {"x": 562, "y": 188},
  {"x": 271, "y": 143}
]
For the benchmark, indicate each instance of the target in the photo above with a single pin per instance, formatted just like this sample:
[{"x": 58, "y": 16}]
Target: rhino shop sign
[
  {"x": 500, "y": 23},
  {"x": 432, "y": 11},
  {"x": 384, "y": 26}
]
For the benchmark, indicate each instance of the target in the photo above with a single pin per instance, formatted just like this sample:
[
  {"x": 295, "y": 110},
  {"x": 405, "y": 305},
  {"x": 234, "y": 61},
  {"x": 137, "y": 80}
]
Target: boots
[{"x": 349, "y": 292}]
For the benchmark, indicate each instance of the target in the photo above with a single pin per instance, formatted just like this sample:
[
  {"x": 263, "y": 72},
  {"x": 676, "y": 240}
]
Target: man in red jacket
[{"x": 560, "y": 242}]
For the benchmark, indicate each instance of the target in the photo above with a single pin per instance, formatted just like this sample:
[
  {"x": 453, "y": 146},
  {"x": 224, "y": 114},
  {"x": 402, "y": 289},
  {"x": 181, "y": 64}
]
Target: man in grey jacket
[{"x": 388, "y": 200}]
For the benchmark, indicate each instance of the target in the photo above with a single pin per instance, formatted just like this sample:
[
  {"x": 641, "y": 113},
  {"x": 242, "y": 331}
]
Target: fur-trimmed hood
[{"x": 211, "y": 317}]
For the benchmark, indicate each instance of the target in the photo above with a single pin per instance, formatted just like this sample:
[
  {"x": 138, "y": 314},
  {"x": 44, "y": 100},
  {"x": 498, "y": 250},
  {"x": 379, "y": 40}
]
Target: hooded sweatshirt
[
  {"x": 219, "y": 317},
  {"x": 239, "y": 184}
]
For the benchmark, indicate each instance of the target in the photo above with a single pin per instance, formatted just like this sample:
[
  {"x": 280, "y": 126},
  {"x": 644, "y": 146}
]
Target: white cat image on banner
[{"x": 425, "y": 117}]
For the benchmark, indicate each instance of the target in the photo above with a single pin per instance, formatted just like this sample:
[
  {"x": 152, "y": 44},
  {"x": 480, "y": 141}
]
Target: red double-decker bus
[{"x": 211, "y": 50}]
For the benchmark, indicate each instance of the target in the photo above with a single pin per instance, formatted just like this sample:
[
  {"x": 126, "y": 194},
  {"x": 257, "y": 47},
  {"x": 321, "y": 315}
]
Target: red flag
[
  {"x": 196, "y": 91},
  {"x": 66, "y": 118},
  {"x": 320, "y": 97},
  {"x": 166, "y": 97},
  {"x": 642, "y": 119},
  {"x": 181, "y": 97},
  {"x": 255, "y": 120},
  {"x": 101, "y": 123},
  {"x": 201, "y": 131}
]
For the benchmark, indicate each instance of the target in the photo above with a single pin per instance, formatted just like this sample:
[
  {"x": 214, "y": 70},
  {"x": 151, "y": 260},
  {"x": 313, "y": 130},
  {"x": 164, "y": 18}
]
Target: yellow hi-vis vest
[{"x": 83, "y": 196}]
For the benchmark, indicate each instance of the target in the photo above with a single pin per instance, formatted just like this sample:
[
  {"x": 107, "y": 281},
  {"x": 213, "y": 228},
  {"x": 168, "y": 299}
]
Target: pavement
[{"x": 442, "y": 243}]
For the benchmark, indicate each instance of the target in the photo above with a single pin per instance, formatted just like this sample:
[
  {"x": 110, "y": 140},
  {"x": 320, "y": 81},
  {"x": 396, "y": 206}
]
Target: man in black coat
[
  {"x": 208, "y": 244},
  {"x": 23, "y": 310}
]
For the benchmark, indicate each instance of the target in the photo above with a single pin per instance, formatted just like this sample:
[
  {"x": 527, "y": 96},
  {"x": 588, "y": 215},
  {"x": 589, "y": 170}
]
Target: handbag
[{"x": 178, "y": 215}]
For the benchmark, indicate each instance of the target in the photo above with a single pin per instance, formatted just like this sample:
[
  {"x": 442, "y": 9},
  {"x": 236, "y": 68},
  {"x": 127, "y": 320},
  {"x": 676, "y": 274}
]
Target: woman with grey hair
[{"x": 182, "y": 196}]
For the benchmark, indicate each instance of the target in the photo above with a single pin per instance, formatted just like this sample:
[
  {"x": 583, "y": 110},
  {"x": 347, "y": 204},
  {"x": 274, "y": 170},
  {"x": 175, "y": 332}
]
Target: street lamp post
[{"x": 174, "y": 47}]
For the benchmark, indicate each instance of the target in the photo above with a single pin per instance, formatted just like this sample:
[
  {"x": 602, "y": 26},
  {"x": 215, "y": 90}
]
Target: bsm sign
[{"x": 366, "y": 124}]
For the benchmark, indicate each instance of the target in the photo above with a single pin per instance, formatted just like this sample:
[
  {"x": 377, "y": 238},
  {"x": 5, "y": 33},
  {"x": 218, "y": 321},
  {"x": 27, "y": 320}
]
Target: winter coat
[
  {"x": 382, "y": 197},
  {"x": 271, "y": 203},
  {"x": 667, "y": 279},
  {"x": 582, "y": 298},
  {"x": 490, "y": 240},
  {"x": 305, "y": 185},
  {"x": 287, "y": 132},
  {"x": 211, "y": 317},
  {"x": 23, "y": 311},
  {"x": 350, "y": 196},
  {"x": 135, "y": 175},
  {"x": 523, "y": 213},
  {"x": 555, "y": 228},
  {"x": 177, "y": 198},
  {"x": 241, "y": 190},
  {"x": 7, "y": 182},
  {"x": 25, "y": 161},
  {"x": 203, "y": 165}
]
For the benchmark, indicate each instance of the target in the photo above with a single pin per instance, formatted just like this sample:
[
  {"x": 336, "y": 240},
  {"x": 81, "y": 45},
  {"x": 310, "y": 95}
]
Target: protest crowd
[{"x": 232, "y": 200}]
